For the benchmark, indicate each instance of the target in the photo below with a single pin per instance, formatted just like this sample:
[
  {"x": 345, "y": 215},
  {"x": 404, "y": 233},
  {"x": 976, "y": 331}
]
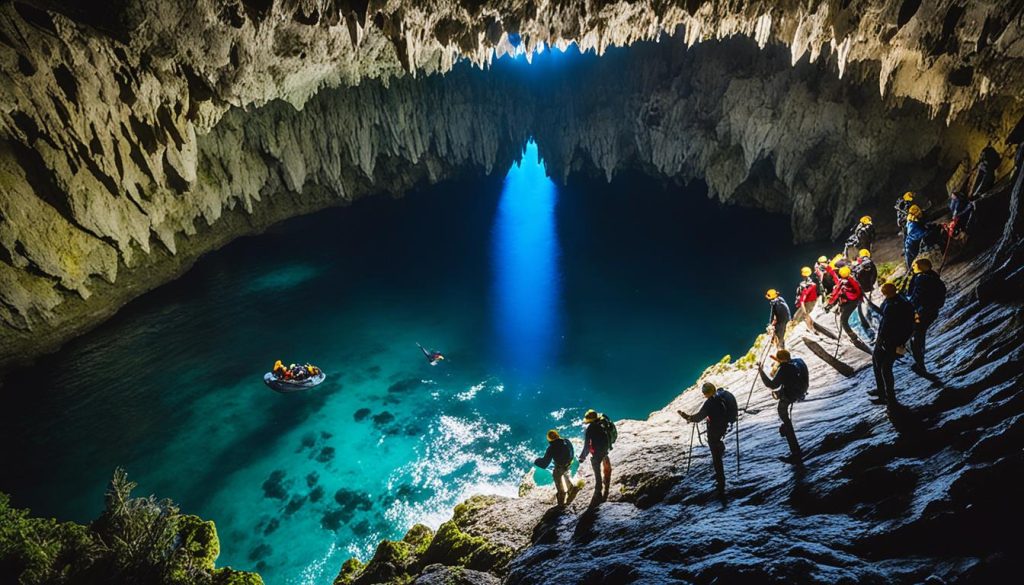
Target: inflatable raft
[{"x": 286, "y": 386}]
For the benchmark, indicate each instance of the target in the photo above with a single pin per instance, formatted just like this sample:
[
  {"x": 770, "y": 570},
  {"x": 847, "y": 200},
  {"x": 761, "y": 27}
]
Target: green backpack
[{"x": 609, "y": 429}]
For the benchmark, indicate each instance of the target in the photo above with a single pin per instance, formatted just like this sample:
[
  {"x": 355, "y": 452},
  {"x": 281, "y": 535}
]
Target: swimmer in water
[{"x": 434, "y": 357}]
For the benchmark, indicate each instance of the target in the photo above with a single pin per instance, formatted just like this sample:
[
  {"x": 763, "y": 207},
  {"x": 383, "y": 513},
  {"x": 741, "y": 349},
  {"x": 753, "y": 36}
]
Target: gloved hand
[
  {"x": 538, "y": 461},
  {"x": 684, "y": 415}
]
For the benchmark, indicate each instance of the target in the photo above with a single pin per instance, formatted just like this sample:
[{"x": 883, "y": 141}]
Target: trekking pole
[
  {"x": 737, "y": 446},
  {"x": 757, "y": 375},
  {"x": 949, "y": 240},
  {"x": 839, "y": 335},
  {"x": 689, "y": 457}
]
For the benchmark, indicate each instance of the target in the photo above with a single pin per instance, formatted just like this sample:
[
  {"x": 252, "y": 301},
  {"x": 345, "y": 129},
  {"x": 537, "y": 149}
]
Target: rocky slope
[
  {"x": 923, "y": 496},
  {"x": 139, "y": 135}
]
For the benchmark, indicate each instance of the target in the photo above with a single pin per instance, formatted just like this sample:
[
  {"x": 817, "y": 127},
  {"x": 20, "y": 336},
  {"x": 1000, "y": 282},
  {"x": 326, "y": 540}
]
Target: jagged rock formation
[
  {"x": 929, "y": 494},
  {"x": 138, "y": 135}
]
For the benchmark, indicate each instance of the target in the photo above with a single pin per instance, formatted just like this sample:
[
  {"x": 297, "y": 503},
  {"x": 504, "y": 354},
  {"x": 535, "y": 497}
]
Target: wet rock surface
[{"x": 925, "y": 493}]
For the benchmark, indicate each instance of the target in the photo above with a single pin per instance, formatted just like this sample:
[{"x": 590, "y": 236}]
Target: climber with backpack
[
  {"x": 847, "y": 295},
  {"x": 597, "y": 442},
  {"x": 789, "y": 386},
  {"x": 779, "y": 317},
  {"x": 562, "y": 453},
  {"x": 862, "y": 236},
  {"x": 894, "y": 329},
  {"x": 866, "y": 273},
  {"x": 721, "y": 410},
  {"x": 927, "y": 294}
]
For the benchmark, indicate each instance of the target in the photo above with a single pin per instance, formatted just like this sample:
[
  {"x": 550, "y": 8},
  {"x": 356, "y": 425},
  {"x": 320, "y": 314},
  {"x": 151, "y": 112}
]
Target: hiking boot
[
  {"x": 879, "y": 401},
  {"x": 571, "y": 495},
  {"x": 876, "y": 393}
]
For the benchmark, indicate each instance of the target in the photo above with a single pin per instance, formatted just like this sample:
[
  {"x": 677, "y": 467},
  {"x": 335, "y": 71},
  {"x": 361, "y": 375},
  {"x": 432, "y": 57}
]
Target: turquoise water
[{"x": 546, "y": 300}]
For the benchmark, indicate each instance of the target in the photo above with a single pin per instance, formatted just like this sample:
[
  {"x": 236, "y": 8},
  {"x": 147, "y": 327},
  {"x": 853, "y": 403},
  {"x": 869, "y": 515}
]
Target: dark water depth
[{"x": 546, "y": 300}]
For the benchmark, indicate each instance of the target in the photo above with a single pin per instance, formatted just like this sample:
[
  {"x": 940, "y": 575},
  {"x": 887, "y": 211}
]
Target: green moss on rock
[
  {"x": 453, "y": 547},
  {"x": 349, "y": 571},
  {"x": 229, "y": 576},
  {"x": 419, "y": 537},
  {"x": 199, "y": 540}
]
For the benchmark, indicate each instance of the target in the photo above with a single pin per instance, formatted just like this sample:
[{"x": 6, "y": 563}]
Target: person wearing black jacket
[
  {"x": 894, "y": 330},
  {"x": 927, "y": 294},
  {"x": 714, "y": 411},
  {"x": 596, "y": 444},
  {"x": 863, "y": 237},
  {"x": 561, "y": 452},
  {"x": 789, "y": 385},
  {"x": 780, "y": 316},
  {"x": 866, "y": 273}
]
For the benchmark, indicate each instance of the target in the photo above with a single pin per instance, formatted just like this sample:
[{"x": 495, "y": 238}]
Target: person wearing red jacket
[
  {"x": 847, "y": 295},
  {"x": 806, "y": 297}
]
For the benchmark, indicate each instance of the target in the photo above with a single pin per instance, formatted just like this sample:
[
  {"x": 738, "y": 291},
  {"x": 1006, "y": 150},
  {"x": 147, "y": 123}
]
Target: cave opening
[{"x": 475, "y": 222}]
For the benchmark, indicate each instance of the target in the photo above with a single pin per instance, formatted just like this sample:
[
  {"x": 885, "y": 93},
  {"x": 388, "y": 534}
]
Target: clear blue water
[{"x": 547, "y": 300}]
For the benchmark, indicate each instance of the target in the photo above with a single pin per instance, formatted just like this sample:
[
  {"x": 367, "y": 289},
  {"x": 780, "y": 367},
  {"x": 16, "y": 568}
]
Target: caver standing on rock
[
  {"x": 561, "y": 452},
  {"x": 779, "y": 317},
  {"x": 823, "y": 277},
  {"x": 927, "y": 294},
  {"x": 863, "y": 236},
  {"x": 790, "y": 386},
  {"x": 806, "y": 298},
  {"x": 902, "y": 209},
  {"x": 716, "y": 409},
  {"x": 847, "y": 295},
  {"x": 915, "y": 233},
  {"x": 866, "y": 273},
  {"x": 894, "y": 330},
  {"x": 597, "y": 442}
]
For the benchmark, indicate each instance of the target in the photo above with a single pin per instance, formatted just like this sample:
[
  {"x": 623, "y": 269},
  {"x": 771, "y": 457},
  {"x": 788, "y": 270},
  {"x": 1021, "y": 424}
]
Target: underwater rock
[
  {"x": 406, "y": 385},
  {"x": 361, "y": 414},
  {"x": 325, "y": 455},
  {"x": 332, "y": 519},
  {"x": 272, "y": 525},
  {"x": 308, "y": 442},
  {"x": 294, "y": 505},
  {"x": 274, "y": 487},
  {"x": 316, "y": 494},
  {"x": 260, "y": 551},
  {"x": 383, "y": 418},
  {"x": 312, "y": 478}
]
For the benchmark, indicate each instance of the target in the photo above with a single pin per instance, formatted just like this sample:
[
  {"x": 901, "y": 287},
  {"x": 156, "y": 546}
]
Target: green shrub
[{"x": 135, "y": 540}]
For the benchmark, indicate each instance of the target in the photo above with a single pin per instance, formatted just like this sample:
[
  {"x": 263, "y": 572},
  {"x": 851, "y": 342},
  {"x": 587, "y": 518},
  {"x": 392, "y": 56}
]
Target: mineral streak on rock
[{"x": 138, "y": 135}]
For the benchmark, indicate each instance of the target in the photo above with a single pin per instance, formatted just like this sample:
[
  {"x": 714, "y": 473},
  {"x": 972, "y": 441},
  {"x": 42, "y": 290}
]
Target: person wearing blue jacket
[{"x": 915, "y": 233}]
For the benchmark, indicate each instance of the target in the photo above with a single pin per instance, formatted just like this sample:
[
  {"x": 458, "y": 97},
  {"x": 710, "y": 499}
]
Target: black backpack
[
  {"x": 566, "y": 453},
  {"x": 609, "y": 429},
  {"x": 803, "y": 380},
  {"x": 729, "y": 404}
]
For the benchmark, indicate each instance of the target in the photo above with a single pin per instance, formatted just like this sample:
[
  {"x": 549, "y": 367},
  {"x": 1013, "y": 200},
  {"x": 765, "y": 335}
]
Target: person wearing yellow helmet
[
  {"x": 790, "y": 384},
  {"x": 846, "y": 297},
  {"x": 825, "y": 282},
  {"x": 716, "y": 411},
  {"x": 916, "y": 231},
  {"x": 927, "y": 294},
  {"x": 597, "y": 442},
  {"x": 894, "y": 330},
  {"x": 863, "y": 236},
  {"x": 902, "y": 207},
  {"x": 561, "y": 451},
  {"x": 866, "y": 273},
  {"x": 779, "y": 318},
  {"x": 433, "y": 357},
  {"x": 806, "y": 298}
]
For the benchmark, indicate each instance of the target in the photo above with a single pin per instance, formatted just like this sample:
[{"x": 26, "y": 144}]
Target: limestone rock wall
[{"x": 136, "y": 135}]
